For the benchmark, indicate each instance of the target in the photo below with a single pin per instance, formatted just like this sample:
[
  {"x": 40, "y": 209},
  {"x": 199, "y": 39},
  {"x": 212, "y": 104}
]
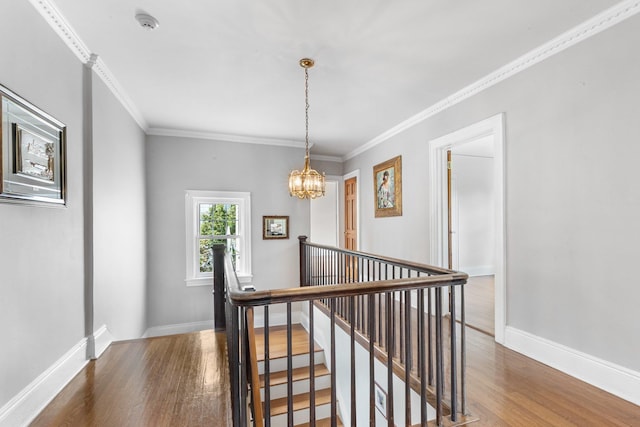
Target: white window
[{"x": 217, "y": 217}]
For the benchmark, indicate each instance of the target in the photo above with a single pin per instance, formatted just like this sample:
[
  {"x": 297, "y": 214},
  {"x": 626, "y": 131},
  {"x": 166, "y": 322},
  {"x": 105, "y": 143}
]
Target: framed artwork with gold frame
[
  {"x": 275, "y": 227},
  {"x": 387, "y": 188}
]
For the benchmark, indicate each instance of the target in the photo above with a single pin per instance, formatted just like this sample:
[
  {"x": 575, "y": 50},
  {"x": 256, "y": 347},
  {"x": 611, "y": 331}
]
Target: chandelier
[{"x": 306, "y": 184}]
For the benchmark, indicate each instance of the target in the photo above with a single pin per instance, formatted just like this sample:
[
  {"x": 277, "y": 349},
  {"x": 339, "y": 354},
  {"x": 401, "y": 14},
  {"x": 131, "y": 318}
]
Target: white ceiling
[{"x": 231, "y": 66}]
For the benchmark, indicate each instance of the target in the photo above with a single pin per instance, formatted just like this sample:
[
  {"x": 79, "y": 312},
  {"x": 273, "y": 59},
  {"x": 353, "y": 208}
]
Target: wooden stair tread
[
  {"x": 325, "y": 422},
  {"x": 300, "y": 401},
  {"x": 298, "y": 374},
  {"x": 278, "y": 341}
]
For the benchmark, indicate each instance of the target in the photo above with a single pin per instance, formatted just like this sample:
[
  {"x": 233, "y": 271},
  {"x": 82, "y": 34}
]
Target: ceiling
[{"x": 230, "y": 67}]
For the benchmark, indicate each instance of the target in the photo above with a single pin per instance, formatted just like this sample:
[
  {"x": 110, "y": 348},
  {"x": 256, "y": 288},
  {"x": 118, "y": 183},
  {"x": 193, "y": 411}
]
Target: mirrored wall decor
[{"x": 32, "y": 153}]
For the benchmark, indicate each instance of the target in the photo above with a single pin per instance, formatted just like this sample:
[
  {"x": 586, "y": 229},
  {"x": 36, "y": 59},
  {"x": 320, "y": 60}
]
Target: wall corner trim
[
  {"x": 27, "y": 404},
  {"x": 615, "y": 379},
  {"x": 588, "y": 28}
]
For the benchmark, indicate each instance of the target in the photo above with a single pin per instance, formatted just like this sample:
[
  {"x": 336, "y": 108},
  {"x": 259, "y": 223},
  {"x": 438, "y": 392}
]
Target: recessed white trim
[
  {"x": 179, "y": 328},
  {"x": 615, "y": 379},
  {"x": 589, "y": 28},
  {"x": 65, "y": 31},
  {"x": 181, "y": 133},
  {"x": 27, "y": 404}
]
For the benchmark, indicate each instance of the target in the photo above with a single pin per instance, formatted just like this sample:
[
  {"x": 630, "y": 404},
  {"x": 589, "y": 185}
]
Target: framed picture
[
  {"x": 387, "y": 183},
  {"x": 380, "y": 400},
  {"x": 275, "y": 227},
  {"x": 32, "y": 153}
]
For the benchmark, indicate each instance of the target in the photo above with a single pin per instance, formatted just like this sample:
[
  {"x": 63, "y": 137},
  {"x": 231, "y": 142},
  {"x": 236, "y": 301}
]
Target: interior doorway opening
[
  {"x": 472, "y": 228},
  {"x": 491, "y": 131},
  {"x": 324, "y": 223}
]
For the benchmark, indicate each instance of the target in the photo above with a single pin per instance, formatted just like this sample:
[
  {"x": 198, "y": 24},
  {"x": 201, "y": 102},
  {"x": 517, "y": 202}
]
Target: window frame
[{"x": 193, "y": 199}]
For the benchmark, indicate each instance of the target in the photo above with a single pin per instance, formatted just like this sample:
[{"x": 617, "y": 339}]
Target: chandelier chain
[
  {"x": 306, "y": 183},
  {"x": 306, "y": 110}
]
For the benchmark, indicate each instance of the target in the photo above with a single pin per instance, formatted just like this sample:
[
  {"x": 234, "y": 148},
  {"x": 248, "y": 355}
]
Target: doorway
[
  {"x": 492, "y": 130},
  {"x": 472, "y": 228},
  {"x": 324, "y": 228}
]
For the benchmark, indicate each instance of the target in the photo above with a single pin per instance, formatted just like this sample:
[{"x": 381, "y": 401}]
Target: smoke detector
[{"x": 147, "y": 21}]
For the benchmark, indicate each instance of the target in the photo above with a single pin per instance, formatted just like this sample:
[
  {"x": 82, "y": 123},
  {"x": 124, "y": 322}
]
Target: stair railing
[{"x": 391, "y": 307}]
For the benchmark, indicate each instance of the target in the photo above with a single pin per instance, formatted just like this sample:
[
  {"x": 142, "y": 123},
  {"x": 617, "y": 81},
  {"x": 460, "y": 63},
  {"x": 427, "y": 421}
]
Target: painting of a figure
[{"x": 387, "y": 180}]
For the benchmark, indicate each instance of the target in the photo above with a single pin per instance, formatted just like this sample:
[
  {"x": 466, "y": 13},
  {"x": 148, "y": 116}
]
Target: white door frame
[{"x": 438, "y": 210}]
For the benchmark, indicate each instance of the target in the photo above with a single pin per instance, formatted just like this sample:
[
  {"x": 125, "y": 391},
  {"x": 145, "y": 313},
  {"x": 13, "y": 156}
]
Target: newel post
[
  {"x": 303, "y": 261},
  {"x": 219, "y": 319}
]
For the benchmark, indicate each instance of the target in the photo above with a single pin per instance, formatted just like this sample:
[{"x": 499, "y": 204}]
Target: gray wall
[
  {"x": 328, "y": 167},
  {"x": 119, "y": 218},
  {"x": 175, "y": 165},
  {"x": 42, "y": 258},
  {"x": 41, "y": 249},
  {"x": 572, "y": 193}
]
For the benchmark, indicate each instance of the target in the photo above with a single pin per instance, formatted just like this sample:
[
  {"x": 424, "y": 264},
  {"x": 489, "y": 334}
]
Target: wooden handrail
[
  {"x": 368, "y": 283},
  {"x": 251, "y": 298},
  {"x": 425, "y": 268},
  {"x": 243, "y": 298}
]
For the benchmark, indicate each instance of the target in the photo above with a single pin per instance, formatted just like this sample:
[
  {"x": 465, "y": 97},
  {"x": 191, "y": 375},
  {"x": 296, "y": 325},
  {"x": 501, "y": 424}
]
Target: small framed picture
[
  {"x": 275, "y": 227},
  {"x": 381, "y": 400},
  {"x": 387, "y": 188}
]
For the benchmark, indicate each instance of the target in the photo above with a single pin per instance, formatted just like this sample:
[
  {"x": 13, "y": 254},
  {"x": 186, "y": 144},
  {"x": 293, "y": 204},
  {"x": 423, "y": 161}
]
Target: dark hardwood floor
[
  {"x": 505, "y": 388},
  {"x": 178, "y": 380},
  {"x": 479, "y": 304},
  {"x": 182, "y": 380}
]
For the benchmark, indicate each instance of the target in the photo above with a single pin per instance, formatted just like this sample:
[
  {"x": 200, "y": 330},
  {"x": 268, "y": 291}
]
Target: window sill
[{"x": 208, "y": 281}]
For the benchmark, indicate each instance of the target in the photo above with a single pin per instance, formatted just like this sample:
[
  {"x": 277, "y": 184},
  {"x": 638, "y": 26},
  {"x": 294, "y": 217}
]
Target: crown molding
[
  {"x": 118, "y": 91},
  {"x": 57, "y": 21},
  {"x": 587, "y": 29},
  {"x": 324, "y": 158},
  {"x": 244, "y": 139}
]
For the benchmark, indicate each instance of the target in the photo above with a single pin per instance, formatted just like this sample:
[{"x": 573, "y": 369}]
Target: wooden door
[
  {"x": 350, "y": 214},
  {"x": 350, "y": 227}
]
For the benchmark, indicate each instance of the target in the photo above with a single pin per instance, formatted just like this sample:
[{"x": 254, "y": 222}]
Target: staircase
[{"x": 300, "y": 377}]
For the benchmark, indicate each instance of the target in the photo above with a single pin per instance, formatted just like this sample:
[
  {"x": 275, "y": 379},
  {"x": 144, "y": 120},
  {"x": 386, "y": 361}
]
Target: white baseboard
[
  {"x": 275, "y": 319},
  {"x": 615, "y": 379},
  {"x": 479, "y": 270},
  {"x": 103, "y": 339},
  {"x": 180, "y": 328},
  {"x": 27, "y": 404}
]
